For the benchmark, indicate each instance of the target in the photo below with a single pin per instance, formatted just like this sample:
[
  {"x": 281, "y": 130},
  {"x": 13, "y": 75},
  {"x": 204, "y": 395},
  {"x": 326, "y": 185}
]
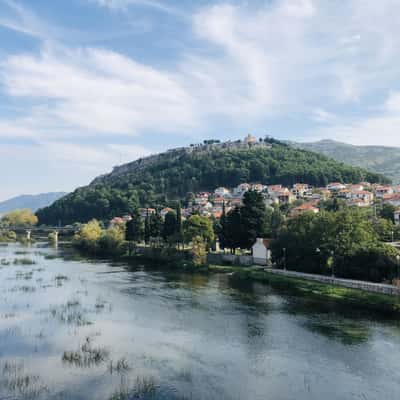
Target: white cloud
[
  {"x": 380, "y": 129},
  {"x": 58, "y": 166},
  {"x": 18, "y": 18},
  {"x": 124, "y": 4},
  {"x": 246, "y": 63},
  {"x": 93, "y": 91}
]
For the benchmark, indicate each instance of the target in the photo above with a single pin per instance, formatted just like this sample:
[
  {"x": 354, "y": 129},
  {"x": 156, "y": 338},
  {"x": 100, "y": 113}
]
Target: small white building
[
  {"x": 222, "y": 192},
  {"x": 261, "y": 251}
]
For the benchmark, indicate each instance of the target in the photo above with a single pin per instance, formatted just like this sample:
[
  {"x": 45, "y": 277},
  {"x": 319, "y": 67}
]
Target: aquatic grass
[
  {"x": 23, "y": 261},
  {"x": 86, "y": 356},
  {"x": 5, "y": 262},
  {"x": 119, "y": 366},
  {"x": 8, "y": 315},
  {"x": 21, "y": 252},
  {"x": 70, "y": 316},
  {"x": 60, "y": 279},
  {"x": 143, "y": 388},
  {"x": 24, "y": 275},
  {"x": 20, "y": 383},
  {"x": 25, "y": 289}
]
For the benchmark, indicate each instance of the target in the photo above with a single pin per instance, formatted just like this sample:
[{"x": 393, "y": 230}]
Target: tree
[
  {"x": 199, "y": 252},
  {"x": 198, "y": 226},
  {"x": 179, "y": 225},
  {"x": 19, "y": 218},
  {"x": 233, "y": 233},
  {"x": 112, "y": 240},
  {"x": 156, "y": 225},
  {"x": 88, "y": 236},
  {"x": 253, "y": 218},
  {"x": 345, "y": 240},
  {"x": 222, "y": 231},
  {"x": 134, "y": 228},
  {"x": 147, "y": 229},
  {"x": 387, "y": 212},
  {"x": 170, "y": 225}
]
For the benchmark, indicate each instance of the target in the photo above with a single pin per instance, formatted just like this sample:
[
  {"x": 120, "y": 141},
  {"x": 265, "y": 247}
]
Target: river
[{"x": 79, "y": 329}]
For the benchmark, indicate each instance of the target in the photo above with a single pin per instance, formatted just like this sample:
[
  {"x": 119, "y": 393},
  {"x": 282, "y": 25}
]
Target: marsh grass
[
  {"x": 23, "y": 261},
  {"x": 20, "y": 383},
  {"x": 86, "y": 356},
  {"x": 70, "y": 314},
  {"x": 60, "y": 279},
  {"x": 24, "y": 289},
  {"x": 119, "y": 366},
  {"x": 143, "y": 388},
  {"x": 24, "y": 275}
]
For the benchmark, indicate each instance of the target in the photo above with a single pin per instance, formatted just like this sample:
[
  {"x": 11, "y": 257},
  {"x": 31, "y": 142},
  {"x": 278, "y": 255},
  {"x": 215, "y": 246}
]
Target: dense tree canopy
[
  {"x": 19, "y": 218},
  {"x": 175, "y": 174},
  {"x": 345, "y": 242}
]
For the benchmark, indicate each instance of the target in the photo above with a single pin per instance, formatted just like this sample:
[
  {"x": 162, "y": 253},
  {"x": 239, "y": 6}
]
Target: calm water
[{"x": 73, "y": 329}]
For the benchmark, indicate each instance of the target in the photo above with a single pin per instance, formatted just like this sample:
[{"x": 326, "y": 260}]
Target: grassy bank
[{"x": 380, "y": 303}]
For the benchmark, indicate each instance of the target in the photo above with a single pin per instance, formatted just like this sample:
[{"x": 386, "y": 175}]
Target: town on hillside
[{"x": 298, "y": 199}]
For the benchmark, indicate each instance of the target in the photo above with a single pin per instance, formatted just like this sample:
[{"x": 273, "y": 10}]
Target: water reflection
[{"x": 77, "y": 329}]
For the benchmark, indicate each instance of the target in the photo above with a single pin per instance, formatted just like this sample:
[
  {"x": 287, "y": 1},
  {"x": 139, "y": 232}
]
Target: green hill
[
  {"x": 380, "y": 159},
  {"x": 158, "y": 179}
]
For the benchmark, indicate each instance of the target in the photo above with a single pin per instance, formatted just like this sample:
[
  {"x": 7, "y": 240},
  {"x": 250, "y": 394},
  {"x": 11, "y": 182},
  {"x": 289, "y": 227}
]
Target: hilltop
[
  {"x": 33, "y": 202},
  {"x": 381, "y": 159},
  {"x": 161, "y": 178}
]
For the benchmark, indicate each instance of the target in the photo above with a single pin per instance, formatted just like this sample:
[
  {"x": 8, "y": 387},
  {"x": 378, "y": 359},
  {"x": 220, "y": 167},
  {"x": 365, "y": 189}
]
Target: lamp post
[
  {"x": 392, "y": 236},
  {"x": 333, "y": 263},
  {"x": 284, "y": 258},
  {"x": 398, "y": 267}
]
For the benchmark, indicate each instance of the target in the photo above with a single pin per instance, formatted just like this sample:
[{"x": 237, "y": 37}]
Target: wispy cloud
[
  {"x": 382, "y": 128},
  {"x": 20, "y": 19},
  {"x": 155, "y": 5},
  {"x": 97, "y": 91},
  {"x": 241, "y": 63}
]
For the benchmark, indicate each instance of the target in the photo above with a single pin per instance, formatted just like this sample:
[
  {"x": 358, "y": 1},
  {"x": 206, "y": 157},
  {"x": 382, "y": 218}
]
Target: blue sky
[{"x": 89, "y": 84}]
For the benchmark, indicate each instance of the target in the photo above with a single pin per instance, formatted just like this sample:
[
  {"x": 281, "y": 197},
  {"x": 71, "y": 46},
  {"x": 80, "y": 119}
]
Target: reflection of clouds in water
[{"x": 191, "y": 334}]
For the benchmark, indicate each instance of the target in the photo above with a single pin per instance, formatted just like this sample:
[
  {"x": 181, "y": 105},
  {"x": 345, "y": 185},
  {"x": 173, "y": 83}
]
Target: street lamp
[
  {"x": 392, "y": 236},
  {"x": 398, "y": 267},
  {"x": 333, "y": 263}
]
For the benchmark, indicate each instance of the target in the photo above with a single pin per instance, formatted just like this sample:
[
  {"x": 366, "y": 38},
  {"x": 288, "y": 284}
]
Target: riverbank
[
  {"x": 376, "y": 302},
  {"x": 317, "y": 291}
]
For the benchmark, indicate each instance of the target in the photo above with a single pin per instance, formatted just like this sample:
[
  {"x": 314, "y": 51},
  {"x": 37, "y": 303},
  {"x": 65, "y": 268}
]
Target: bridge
[{"x": 28, "y": 231}]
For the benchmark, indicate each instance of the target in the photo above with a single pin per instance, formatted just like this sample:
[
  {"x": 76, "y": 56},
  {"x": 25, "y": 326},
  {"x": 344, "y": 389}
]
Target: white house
[
  {"x": 222, "y": 192},
  {"x": 336, "y": 186},
  {"x": 241, "y": 189},
  {"x": 261, "y": 251}
]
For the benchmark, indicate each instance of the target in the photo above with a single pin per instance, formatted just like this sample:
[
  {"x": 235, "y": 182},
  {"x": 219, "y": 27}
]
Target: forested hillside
[
  {"x": 380, "y": 159},
  {"x": 169, "y": 176}
]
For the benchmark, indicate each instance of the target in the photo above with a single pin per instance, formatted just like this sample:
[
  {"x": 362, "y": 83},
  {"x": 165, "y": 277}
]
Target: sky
[{"x": 89, "y": 84}]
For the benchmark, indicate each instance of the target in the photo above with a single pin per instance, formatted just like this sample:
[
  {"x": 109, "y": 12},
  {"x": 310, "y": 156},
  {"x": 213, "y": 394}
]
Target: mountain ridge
[
  {"x": 31, "y": 201},
  {"x": 375, "y": 158}
]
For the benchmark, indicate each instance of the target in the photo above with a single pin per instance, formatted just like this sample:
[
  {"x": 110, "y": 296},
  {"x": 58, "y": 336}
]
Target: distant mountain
[
  {"x": 157, "y": 180},
  {"x": 381, "y": 159},
  {"x": 33, "y": 202}
]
